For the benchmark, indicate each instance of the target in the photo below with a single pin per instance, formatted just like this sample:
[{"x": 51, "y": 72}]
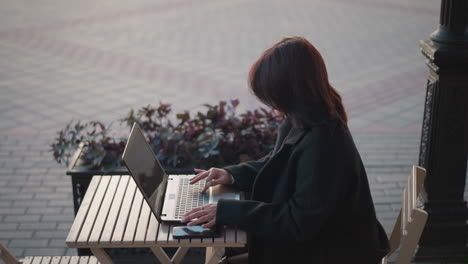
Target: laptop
[{"x": 168, "y": 196}]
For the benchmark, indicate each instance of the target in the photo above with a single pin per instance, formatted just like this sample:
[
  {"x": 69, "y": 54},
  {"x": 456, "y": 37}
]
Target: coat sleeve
[
  {"x": 300, "y": 217},
  {"x": 244, "y": 173}
]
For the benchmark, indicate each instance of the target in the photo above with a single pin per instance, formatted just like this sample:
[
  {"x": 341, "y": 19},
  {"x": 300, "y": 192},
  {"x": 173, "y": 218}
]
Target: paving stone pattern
[{"x": 97, "y": 59}]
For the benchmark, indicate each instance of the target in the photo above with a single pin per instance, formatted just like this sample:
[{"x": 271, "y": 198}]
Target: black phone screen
[{"x": 194, "y": 232}]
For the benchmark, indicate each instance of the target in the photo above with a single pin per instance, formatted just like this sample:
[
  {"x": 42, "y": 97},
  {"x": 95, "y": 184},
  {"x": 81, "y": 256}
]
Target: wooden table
[{"x": 114, "y": 214}]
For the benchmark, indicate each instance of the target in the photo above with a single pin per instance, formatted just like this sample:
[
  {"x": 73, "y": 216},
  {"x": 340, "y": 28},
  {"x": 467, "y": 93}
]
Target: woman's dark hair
[{"x": 292, "y": 78}]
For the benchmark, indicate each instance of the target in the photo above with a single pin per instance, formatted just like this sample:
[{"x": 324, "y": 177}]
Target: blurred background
[{"x": 97, "y": 59}]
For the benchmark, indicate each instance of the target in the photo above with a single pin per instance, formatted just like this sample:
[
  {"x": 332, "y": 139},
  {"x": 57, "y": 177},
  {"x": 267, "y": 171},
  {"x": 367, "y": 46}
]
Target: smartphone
[{"x": 195, "y": 232}]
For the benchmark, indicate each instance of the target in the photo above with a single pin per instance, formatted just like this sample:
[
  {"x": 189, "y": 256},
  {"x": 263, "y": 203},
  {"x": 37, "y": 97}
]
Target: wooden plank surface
[
  {"x": 142, "y": 226},
  {"x": 82, "y": 212},
  {"x": 74, "y": 260},
  {"x": 122, "y": 218},
  {"x": 83, "y": 260},
  {"x": 65, "y": 260},
  {"x": 93, "y": 260},
  {"x": 114, "y": 210},
  {"x": 55, "y": 260},
  {"x": 163, "y": 234},
  {"x": 104, "y": 210},
  {"x": 93, "y": 211},
  {"x": 36, "y": 260},
  {"x": 27, "y": 260},
  {"x": 133, "y": 219},
  {"x": 152, "y": 232},
  {"x": 46, "y": 260}
]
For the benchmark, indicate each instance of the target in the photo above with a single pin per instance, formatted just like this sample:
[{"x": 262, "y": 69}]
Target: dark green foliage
[{"x": 216, "y": 137}]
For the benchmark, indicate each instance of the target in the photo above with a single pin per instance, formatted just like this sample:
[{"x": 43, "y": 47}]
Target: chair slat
[
  {"x": 241, "y": 236},
  {"x": 114, "y": 210},
  {"x": 93, "y": 211},
  {"x": 133, "y": 219},
  {"x": 124, "y": 212},
  {"x": 104, "y": 210},
  {"x": 83, "y": 211}
]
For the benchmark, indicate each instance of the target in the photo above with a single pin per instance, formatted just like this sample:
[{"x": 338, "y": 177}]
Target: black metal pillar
[{"x": 444, "y": 139}]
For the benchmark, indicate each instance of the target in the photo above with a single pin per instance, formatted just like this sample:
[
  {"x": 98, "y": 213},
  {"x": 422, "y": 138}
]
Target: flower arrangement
[{"x": 215, "y": 137}]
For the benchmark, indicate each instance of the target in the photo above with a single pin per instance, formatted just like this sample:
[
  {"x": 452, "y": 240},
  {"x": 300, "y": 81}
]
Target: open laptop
[{"x": 169, "y": 196}]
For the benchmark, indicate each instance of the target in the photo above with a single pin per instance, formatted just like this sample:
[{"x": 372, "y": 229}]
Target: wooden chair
[
  {"x": 9, "y": 258},
  {"x": 411, "y": 220}
]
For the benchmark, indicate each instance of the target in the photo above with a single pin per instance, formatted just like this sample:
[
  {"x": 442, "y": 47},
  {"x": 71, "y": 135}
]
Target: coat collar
[{"x": 294, "y": 135}]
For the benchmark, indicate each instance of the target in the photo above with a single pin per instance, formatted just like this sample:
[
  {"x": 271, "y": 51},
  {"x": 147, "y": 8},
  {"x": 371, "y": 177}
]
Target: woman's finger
[
  {"x": 192, "y": 212},
  {"x": 211, "y": 223},
  {"x": 199, "y": 176},
  {"x": 194, "y": 215},
  {"x": 209, "y": 180},
  {"x": 200, "y": 220}
]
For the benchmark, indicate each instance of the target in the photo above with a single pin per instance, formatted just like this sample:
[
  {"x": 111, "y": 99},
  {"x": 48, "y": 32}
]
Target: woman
[{"x": 310, "y": 199}]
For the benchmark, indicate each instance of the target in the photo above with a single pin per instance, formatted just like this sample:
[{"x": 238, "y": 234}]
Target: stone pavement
[{"x": 97, "y": 59}]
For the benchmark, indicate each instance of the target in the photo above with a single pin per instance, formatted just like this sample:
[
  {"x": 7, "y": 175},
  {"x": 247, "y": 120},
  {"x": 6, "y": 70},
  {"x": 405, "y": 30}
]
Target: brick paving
[{"x": 86, "y": 60}]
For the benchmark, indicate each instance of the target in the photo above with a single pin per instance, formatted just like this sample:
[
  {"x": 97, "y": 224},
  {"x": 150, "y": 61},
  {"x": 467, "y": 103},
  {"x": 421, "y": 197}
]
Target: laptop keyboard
[{"x": 190, "y": 197}]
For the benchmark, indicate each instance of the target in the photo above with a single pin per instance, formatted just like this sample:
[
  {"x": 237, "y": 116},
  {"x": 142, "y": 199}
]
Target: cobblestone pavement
[{"x": 96, "y": 59}]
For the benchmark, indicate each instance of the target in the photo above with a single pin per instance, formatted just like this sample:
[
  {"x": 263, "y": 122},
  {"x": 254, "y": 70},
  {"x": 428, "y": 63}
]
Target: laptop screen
[{"x": 145, "y": 169}]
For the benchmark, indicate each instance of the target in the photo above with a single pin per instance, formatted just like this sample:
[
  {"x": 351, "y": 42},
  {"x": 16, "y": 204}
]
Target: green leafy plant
[{"x": 215, "y": 137}]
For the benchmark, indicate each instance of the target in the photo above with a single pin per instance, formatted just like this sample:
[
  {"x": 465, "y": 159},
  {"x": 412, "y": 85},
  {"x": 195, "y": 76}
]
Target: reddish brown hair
[{"x": 292, "y": 78}]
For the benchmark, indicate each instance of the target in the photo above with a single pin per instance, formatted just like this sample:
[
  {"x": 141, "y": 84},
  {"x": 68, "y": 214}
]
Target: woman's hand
[
  {"x": 206, "y": 213},
  {"x": 213, "y": 176}
]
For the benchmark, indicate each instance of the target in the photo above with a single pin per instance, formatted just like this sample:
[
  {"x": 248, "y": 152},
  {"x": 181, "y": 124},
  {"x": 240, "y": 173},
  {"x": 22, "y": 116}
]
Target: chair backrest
[
  {"x": 7, "y": 256},
  {"x": 411, "y": 219}
]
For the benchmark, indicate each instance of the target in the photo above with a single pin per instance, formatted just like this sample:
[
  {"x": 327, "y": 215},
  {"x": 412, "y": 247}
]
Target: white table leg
[
  {"x": 214, "y": 254},
  {"x": 101, "y": 255},
  {"x": 179, "y": 255},
  {"x": 161, "y": 255}
]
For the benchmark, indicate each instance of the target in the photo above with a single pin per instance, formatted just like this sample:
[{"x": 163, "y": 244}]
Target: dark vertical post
[{"x": 444, "y": 139}]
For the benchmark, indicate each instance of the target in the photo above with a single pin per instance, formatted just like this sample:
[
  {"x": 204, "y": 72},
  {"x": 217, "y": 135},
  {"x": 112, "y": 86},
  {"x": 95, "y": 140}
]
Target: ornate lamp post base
[{"x": 444, "y": 139}]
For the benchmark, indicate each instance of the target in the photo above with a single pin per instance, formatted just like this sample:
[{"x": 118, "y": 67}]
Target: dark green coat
[{"x": 310, "y": 200}]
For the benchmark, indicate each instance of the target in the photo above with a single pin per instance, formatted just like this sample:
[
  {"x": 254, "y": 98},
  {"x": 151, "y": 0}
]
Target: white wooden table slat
[
  {"x": 163, "y": 233},
  {"x": 74, "y": 260},
  {"x": 104, "y": 210},
  {"x": 46, "y": 260},
  {"x": 152, "y": 232},
  {"x": 114, "y": 210},
  {"x": 83, "y": 211},
  {"x": 133, "y": 219},
  {"x": 65, "y": 260},
  {"x": 119, "y": 230},
  {"x": 36, "y": 260},
  {"x": 55, "y": 260},
  {"x": 27, "y": 260},
  {"x": 84, "y": 260},
  {"x": 116, "y": 206},
  {"x": 142, "y": 226},
  {"x": 93, "y": 212},
  {"x": 170, "y": 239},
  {"x": 93, "y": 260}
]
